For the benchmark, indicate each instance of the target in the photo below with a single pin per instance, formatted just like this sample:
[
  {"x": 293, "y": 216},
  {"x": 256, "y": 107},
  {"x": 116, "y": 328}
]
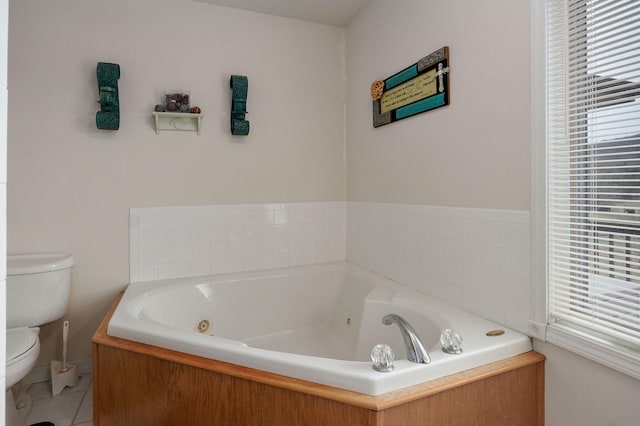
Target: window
[{"x": 593, "y": 178}]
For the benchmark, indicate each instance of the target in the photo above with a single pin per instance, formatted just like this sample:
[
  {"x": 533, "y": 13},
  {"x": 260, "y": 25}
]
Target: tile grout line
[
  {"x": 84, "y": 396},
  {"x": 74, "y": 418}
]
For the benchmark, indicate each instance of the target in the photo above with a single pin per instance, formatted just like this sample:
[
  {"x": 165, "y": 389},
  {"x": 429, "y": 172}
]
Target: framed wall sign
[{"x": 418, "y": 88}]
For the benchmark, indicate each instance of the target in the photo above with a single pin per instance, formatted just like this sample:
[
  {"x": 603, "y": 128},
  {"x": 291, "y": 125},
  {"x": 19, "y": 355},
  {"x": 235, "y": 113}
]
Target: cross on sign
[{"x": 440, "y": 74}]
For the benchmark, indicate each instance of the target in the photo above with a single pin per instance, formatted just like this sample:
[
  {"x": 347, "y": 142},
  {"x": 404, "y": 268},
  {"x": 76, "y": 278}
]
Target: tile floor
[{"x": 73, "y": 406}]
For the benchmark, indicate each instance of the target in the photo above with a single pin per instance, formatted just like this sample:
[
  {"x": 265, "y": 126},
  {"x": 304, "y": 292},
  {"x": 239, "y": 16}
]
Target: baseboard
[{"x": 43, "y": 373}]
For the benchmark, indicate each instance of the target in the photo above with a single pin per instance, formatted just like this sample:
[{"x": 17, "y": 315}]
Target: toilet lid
[
  {"x": 19, "y": 341},
  {"x": 21, "y": 264}
]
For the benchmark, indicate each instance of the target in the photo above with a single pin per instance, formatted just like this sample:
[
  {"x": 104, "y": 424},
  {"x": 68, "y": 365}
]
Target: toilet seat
[{"x": 23, "y": 348}]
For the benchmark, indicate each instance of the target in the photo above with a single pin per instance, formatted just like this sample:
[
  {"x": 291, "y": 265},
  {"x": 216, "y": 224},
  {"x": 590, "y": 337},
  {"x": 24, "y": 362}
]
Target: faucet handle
[
  {"x": 382, "y": 356},
  {"x": 451, "y": 341}
]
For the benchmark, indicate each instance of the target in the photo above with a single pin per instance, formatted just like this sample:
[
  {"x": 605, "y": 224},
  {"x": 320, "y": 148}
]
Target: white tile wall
[
  {"x": 170, "y": 242},
  {"x": 473, "y": 258}
]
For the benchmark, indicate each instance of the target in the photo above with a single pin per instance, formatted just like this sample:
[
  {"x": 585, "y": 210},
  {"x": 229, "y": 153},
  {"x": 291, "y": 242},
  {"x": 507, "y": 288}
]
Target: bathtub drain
[{"x": 203, "y": 326}]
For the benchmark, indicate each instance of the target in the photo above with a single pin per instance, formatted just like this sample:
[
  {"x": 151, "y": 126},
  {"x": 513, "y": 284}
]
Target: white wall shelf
[{"x": 177, "y": 121}]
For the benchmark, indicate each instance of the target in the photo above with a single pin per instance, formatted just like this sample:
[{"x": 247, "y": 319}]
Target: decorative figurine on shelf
[
  {"x": 239, "y": 88},
  {"x": 109, "y": 116},
  {"x": 177, "y": 101}
]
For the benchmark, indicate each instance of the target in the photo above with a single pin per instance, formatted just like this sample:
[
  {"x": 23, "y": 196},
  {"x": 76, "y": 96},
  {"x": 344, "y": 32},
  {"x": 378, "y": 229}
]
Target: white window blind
[{"x": 593, "y": 168}]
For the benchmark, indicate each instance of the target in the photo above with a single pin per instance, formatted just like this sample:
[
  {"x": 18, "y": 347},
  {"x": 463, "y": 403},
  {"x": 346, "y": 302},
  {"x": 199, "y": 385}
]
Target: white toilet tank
[{"x": 38, "y": 287}]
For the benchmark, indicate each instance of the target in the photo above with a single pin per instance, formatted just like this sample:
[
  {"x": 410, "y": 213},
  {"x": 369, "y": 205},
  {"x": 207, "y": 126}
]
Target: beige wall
[
  {"x": 472, "y": 153},
  {"x": 71, "y": 185},
  {"x": 581, "y": 392},
  {"x": 4, "y": 30}
]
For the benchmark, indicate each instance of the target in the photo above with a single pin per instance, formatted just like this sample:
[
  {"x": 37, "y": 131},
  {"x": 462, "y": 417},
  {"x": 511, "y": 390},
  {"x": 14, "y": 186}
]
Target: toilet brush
[{"x": 63, "y": 374}]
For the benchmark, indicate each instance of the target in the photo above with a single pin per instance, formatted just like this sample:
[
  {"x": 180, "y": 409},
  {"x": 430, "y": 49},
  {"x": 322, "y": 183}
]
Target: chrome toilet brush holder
[{"x": 63, "y": 374}]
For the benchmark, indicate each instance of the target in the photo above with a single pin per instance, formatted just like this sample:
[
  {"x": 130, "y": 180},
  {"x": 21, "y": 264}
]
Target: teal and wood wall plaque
[
  {"x": 418, "y": 88},
  {"x": 239, "y": 88},
  {"x": 108, "y": 118}
]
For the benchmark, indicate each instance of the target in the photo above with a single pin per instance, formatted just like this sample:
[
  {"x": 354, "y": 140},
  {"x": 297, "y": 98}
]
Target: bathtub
[{"x": 316, "y": 323}]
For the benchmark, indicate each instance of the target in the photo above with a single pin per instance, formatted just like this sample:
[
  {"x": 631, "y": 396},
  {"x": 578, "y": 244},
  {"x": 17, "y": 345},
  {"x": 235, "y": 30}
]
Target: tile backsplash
[
  {"x": 171, "y": 242},
  {"x": 477, "y": 259}
]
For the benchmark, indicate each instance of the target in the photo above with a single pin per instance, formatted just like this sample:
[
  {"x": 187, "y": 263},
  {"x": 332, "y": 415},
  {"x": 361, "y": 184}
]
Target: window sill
[{"x": 618, "y": 357}]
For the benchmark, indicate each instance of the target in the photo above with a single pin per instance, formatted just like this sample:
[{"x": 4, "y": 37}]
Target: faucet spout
[{"x": 416, "y": 351}]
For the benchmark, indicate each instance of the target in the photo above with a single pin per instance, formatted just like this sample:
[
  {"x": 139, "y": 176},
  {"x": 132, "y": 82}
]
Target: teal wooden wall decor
[
  {"x": 109, "y": 116},
  {"x": 239, "y": 88},
  {"x": 418, "y": 88}
]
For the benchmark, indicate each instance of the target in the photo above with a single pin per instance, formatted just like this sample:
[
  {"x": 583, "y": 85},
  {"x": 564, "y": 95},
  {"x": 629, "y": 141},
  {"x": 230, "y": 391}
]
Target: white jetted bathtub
[{"x": 316, "y": 323}]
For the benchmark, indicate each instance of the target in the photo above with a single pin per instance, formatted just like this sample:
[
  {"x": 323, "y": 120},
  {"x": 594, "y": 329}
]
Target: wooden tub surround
[{"x": 138, "y": 384}]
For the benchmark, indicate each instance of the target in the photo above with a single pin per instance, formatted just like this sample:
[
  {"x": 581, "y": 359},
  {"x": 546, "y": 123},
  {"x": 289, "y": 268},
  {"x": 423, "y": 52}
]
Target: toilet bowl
[
  {"x": 23, "y": 348},
  {"x": 38, "y": 287}
]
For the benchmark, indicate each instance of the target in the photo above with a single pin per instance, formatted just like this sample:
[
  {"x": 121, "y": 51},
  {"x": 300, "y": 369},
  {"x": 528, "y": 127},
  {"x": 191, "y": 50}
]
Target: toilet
[{"x": 38, "y": 287}]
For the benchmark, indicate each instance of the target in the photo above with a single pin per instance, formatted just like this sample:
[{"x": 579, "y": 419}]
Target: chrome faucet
[{"x": 415, "y": 349}]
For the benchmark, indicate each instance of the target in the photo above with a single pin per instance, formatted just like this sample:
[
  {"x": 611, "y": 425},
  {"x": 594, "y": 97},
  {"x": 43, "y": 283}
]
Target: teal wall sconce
[
  {"x": 239, "y": 88},
  {"x": 108, "y": 118}
]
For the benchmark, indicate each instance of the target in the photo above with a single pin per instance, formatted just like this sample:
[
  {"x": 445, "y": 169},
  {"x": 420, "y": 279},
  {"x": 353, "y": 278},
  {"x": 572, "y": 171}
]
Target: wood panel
[
  {"x": 135, "y": 389},
  {"x": 514, "y": 398},
  {"x": 142, "y": 384}
]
